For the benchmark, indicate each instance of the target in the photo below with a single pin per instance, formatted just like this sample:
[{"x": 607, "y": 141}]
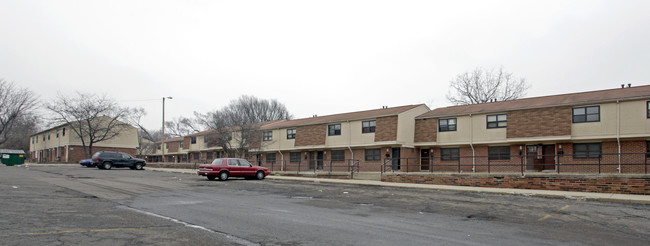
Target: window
[
  {"x": 647, "y": 150},
  {"x": 450, "y": 154},
  {"x": 334, "y": 130},
  {"x": 447, "y": 125},
  {"x": 64, "y": 132},
  {"x": 57, "y": 134},
  {"x": 233, "y": 162},
  {"x": 338, "y": 155},
  {"x": 48, "y": 136},
  {"x": 268, "y": 136},
  {"x": 166, "y": 145},
  {"x": 373, "y": 154},
  {"x": 497, "y": 121},
  {"x": 32, "y": 140},
  {"x": 43, "y": 137},
  {"x": 196, "y": 156},
  {"x": 291, "y": 133},
  {"x": 586, "y": 114},
  {"x": 368, "y": 126},
  {"x": 587, "y": 150},
  {"x": 208, "y": 155},
  {"x": 157, "y": 146},
  {"x": 294, "y": 156},
  {"x": 648, "y": 109},
  {"x": 499, "y": 153},
  {"x": 193, "y": 140},
  {"x": 181, "y": 145},
  {"x": 270, "y": 157}
]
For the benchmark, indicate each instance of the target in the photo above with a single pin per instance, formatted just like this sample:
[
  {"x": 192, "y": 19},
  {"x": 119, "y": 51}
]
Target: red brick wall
[
  {"x": 386, "y": 129},
  {"x": 173, "y": 147},
  {"x": 310, "y": 135},
  {"x": 186, "y": 142},
  {"x": 619, "y": 185},
  {"x": 527, "y": 123},
  {"x": 426, "y": 130}
]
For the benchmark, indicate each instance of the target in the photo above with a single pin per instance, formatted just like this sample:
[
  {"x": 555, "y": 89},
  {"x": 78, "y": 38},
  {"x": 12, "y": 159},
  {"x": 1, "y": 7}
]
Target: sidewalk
[{"x": 590, "y": 196}]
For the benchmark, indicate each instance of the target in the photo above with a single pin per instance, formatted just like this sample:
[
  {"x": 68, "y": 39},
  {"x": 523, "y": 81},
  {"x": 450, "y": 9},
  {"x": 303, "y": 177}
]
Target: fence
[
  {"x": 314, "y": 165},
  {"x": 586, "y": 163}
]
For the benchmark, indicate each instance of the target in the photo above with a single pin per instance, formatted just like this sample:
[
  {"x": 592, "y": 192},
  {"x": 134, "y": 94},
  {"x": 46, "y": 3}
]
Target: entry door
[
  {"x": 312, "y": 162},
  {"x": 424, "y": 159},
  {"x": 548, "y": 160},
  {"x": 319, "y": 160},
  {"x": 396, "y": 161},
  {"x": 531, "y": 157},
  {"x": 540, "y": 157}
]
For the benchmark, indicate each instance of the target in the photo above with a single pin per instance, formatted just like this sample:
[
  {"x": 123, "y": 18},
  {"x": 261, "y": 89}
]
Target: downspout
[
  {"x": 280, "y": 148},
  {"x": 618, "y": 132},
  {"x": 350, "y": 142},
  {"x": 471, "y": 136}
]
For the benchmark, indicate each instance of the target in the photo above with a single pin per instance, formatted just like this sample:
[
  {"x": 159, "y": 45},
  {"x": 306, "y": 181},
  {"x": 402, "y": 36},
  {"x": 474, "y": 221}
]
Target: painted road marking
[
  {"x": 549, "y": 215},
  {"x": 67, "y": 232}
]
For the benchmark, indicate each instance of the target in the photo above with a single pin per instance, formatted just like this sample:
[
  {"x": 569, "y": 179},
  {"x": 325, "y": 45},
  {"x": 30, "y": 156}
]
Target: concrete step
[{"x": 368, "y": 176}]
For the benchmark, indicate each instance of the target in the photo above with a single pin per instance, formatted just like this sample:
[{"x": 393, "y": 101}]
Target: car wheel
[
  {"x": 223, "y": 176},
  {"x": 107, "y": 165},
  {"x": 138, "y": 166},
  {"x": 211, "y": 177},
  {"x": 259, "y": 175}
]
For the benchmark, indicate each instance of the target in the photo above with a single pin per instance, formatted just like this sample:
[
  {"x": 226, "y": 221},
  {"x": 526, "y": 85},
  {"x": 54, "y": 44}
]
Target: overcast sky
[{"x": 317, "y": 57}]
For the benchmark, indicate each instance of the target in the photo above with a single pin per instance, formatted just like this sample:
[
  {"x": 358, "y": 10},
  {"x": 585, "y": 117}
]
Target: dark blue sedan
[{"x": 86, "y": 163}]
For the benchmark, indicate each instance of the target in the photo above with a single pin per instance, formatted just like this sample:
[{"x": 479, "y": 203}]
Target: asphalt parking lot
[{"x": 58, "y": 205}]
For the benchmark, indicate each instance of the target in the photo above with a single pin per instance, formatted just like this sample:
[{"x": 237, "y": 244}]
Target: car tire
[
  {"x": 211, "y": 177},
  {"x": 259, "y": 175},
  {"x": 107, "y": 165},
  {"x": 138, "y": 166},
  {"x": 223, "y": 176}
]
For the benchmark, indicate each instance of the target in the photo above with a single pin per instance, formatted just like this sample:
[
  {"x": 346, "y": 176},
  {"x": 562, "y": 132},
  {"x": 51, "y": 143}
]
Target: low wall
[{"x": 619, "y": 184}]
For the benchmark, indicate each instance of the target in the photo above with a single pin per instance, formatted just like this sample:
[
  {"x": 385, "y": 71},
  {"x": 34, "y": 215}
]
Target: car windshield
[
  {"x": 217, "y": 162},
  {"x": 96, "y": 155}
]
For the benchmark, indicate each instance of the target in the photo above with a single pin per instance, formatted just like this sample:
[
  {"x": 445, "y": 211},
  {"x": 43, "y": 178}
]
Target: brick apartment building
[
  {"x": 607, "y": 127},
  {"x": 61, "y": 144},
  {"x": 334, "y": 141}
]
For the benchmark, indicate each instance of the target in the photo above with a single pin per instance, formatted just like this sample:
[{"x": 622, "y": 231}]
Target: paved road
[{"x": 75, "y": 205}]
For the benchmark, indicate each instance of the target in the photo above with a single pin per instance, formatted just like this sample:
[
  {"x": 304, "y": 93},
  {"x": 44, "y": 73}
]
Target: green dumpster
[{"x": 12, "y": 157}]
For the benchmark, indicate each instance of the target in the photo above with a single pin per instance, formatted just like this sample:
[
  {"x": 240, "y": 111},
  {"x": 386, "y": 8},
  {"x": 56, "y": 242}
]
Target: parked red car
[{"x": 223, "y": 168}]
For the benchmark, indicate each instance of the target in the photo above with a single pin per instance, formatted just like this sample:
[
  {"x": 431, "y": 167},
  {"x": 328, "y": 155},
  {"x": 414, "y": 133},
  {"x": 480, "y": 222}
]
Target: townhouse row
[
  {"x": 62, "y": 144},
  {"x": 603, "y": 131}
]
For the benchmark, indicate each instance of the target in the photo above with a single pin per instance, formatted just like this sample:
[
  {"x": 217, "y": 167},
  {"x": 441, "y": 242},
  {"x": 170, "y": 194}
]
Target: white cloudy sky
[{"x": 317, "y": 57}]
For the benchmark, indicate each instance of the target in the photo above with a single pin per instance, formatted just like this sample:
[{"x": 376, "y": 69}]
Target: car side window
[
  {"x": 125, "y": 156},
  {"x": 244, "y": 163},
  {"x": 233, "y": 162},
  {"x": 217, "y": 162}
]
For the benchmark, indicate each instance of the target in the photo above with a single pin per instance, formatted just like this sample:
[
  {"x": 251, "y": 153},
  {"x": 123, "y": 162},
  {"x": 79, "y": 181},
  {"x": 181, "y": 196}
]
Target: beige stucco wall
[
  {"x": 481, "y": 134},
  {"x": 634, "y": 120},
  {"x": 128, "y": 138},
  {"x": 460, "y": 136},
  {"x": 406, "y": 124}
]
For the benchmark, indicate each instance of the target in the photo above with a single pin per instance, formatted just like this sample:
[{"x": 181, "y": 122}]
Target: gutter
[{"x": 471, "y": 137}]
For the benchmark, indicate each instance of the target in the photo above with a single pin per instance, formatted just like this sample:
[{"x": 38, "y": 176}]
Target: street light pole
[{"x": 162, "y": 143}]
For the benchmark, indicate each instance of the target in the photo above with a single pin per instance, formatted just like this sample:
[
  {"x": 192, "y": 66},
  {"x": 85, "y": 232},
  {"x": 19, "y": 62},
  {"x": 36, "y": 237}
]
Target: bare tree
[
  {"x": 14, "y": 103},
  {"x": 481, "y": 86},
  {"x": 181, "y": 126},
  {"x": 23, "y": 127},
  {"x": 146, "y": 138},
  {"x": 236, "y": 127},
  {"x": 91, "y": 117}
]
